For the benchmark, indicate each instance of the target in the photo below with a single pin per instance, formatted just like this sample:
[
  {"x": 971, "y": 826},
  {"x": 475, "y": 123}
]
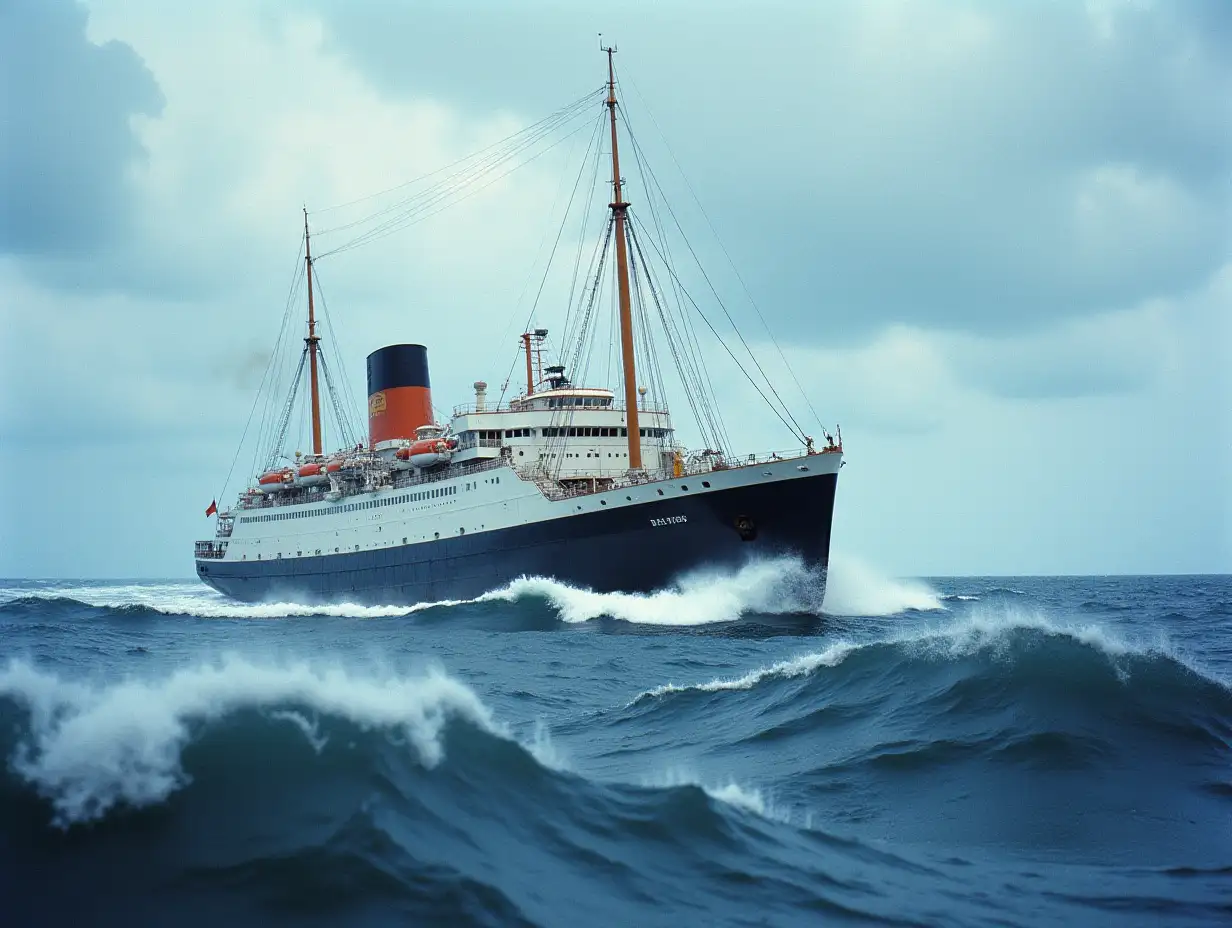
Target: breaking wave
[
  {"x": 779, "y": 586},
  {"x": 1003, "y": 637},
  {"x": 771, "y": 587},
  {"x": 313, "y": 789},
  {"x": 91, "y": 747}
]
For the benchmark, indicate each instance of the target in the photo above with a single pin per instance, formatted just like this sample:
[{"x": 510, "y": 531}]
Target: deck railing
[{"x": 401, "y": 480}]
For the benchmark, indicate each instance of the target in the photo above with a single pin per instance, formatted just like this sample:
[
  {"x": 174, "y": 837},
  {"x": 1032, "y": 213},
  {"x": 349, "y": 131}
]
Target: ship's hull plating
[{"x": 631, "y": 549}]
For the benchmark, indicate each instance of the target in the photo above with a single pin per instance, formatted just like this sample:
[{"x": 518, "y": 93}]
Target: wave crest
[
  {"x": 771, "y": 587},
  {"x": 995, "y": 632},
  {"x": 92, "y": 747}
]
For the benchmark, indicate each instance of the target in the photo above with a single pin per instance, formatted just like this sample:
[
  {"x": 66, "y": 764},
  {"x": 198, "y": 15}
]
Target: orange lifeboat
[
  {"x": 274, "y": 480},
  {"x": 332, "y": 467},
  {"x": 426, "y": 453},
  {"x": 310, "y": 474}
]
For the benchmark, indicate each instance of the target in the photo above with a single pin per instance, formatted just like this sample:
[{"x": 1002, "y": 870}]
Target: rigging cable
[
  {"x": 551, "y": 256},
  {"x": 726, "y": 254},
  {"x": 268, "y": 365},
  {"x": 417, "y": 210},
  {"x": 690, "y": 355},
  {"x": 796, "y": 430},
  {"x": 584, "y": 99}
]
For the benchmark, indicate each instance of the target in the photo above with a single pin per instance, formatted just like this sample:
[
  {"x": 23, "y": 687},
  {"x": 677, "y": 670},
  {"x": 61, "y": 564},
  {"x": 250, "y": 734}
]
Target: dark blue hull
[{"x": 620, "y": 549}]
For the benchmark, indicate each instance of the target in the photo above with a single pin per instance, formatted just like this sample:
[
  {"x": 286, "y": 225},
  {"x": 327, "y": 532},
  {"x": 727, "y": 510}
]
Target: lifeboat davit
[
  {"x": 427, "y": 453},
  {"x": 310, "y": 475},
  {"x": 275, "y": 480}
]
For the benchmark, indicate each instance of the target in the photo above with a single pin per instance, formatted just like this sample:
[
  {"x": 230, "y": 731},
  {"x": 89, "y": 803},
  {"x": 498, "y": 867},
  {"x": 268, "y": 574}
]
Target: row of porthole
[
  {"x": 684, "y": 488},
  {"x": 435, "y": 536}
]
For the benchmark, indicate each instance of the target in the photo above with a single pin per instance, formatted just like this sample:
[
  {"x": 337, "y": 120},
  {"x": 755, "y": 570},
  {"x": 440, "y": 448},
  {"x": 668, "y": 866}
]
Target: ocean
[{"x": 940, "y": 751}]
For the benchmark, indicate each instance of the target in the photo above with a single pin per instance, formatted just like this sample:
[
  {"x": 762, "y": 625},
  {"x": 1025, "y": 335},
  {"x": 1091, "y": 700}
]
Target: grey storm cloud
[
  {"x": 65, "y": 106},
  {"x": 960, "y": 165}
]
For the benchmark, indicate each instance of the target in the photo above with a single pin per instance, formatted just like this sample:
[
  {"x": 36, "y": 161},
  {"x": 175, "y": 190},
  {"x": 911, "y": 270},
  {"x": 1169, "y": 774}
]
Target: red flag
[{"x": 213, "y": 508}]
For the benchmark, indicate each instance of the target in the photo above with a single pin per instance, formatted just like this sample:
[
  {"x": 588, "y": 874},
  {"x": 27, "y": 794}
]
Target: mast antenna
[
  {"x": 619, "y": 212},
  {"x": 311, "y": 341}
]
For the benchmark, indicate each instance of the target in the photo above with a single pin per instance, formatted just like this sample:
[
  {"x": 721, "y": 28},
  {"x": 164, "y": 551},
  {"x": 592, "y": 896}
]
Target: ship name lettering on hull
[{"x": 668, "y": 520}]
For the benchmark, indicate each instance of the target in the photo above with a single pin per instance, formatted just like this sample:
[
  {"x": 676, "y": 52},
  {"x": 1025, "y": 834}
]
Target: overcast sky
[{"x": 994, "y": 240}]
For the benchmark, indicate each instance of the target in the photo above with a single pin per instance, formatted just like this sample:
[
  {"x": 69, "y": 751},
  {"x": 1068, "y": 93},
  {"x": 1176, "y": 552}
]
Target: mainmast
[
  {"x": 311, "y": 341},
  {"x": 619, "y": 209}
]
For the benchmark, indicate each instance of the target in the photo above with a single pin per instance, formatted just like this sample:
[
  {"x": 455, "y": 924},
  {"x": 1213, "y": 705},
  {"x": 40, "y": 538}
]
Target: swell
[
  {"x": 300, "y": 789},
  {"x": 1001, "y": 688}
]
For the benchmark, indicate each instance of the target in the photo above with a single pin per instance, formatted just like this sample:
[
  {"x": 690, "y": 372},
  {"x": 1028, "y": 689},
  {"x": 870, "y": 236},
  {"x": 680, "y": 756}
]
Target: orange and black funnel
[{"x": 399, "y": 394}]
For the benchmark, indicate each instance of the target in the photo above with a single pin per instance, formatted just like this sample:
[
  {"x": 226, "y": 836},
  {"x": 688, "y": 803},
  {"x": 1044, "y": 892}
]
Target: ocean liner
[{"x": 555, "y": 477}]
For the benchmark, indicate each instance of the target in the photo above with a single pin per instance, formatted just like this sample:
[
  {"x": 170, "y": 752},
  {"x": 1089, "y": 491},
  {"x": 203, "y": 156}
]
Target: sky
[{"x": 992, "y": 241}]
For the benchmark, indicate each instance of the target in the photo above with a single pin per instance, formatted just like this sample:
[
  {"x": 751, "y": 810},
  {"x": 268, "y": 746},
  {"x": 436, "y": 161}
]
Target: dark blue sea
[{"x": 948, "y": 751}]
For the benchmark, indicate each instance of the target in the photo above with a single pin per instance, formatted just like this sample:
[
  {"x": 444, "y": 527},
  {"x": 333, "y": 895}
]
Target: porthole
[
  {"x": 629, "y": 498},
  {"x": 684, "y": 488},
  {"x": 602, "y": 502},
  {"x": 660, "y": 492},
  {"x": 706, "y": 484}
]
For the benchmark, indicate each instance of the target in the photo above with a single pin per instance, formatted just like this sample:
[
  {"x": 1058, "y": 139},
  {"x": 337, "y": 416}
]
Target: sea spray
[
  {"x": 853, "y": 588},
  {"x": 771, "y": 587}
]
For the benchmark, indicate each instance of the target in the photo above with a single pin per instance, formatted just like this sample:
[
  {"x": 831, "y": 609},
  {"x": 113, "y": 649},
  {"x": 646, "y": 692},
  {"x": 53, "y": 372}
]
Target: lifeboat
[
  {"x": 332, "y": 467},
  {"x": 427, "y": 453},
  {"x": 275, "y": 480},
  {"x": 310, "y": 475}
]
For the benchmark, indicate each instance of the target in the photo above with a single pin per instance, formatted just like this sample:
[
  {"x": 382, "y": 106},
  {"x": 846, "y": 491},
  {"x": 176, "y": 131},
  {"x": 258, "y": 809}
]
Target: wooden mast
[
  {"x": 311, "y": 341},
  {"x": 530, "y": 376},
  {"x": 619, "y": 208}
]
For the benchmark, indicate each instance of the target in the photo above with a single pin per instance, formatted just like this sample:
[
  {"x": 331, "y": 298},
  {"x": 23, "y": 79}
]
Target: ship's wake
[{"x": 767, "y": 587}]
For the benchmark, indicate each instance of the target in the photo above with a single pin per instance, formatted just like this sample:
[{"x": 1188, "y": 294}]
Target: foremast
[
  {"x": 311, "y": 342},
  {"x": 619, "y": 210}
]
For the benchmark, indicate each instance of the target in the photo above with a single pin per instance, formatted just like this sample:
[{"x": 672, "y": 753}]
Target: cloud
[
  {"x": 957, "y": 164},
  {"x": 69, "y": 146},
  {"x": 1110, "y": 354}
]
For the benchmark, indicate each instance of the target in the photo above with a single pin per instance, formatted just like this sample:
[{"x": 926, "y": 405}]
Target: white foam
[
  {"x": 799, "y": 666},
  {"x": 769, "y": 587},
  {"x": 853, "y": 588},
  {"x": 92, "y": 747},
  {"x": 728, "y": 792},
  {"x": 193, "y": 599},
  {"x": 985, "y": 629}
]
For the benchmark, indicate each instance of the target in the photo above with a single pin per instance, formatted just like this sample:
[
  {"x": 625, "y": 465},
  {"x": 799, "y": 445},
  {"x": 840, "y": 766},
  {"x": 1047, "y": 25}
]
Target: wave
[
  {"x": 93, "y": 746},
  {"x": 799, "y": 666},
  {"x": 771, "y": 587},
  {"x": 705, "y": 597},
  {"x": 312, "y": 788},
  {"x": 161, "y": 601},
  {"x": 1001, "y": 637}
]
